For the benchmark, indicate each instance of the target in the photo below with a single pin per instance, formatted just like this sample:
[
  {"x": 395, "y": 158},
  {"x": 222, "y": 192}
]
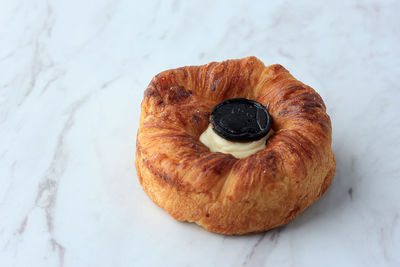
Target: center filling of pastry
[{"x": 239, "y": 127}]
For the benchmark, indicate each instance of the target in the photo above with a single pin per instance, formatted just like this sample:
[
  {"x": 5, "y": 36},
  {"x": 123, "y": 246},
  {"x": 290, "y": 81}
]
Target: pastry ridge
[{"x": 215, "y": 190}]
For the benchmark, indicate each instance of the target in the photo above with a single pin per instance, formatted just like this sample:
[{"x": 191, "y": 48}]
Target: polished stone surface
[{"x": 72, "y": 76}]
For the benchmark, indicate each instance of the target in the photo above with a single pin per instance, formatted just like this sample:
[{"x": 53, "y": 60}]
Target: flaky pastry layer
[{"x": 215, "y": 190}]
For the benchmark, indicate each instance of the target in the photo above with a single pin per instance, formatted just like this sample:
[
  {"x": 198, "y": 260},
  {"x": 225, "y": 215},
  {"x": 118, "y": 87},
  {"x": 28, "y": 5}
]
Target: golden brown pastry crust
[{"x": 215, "y": 190}]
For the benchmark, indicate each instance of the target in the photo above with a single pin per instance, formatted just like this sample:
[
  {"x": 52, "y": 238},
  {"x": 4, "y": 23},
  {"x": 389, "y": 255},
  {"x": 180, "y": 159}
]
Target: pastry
[{"x": 219, "y": 191}]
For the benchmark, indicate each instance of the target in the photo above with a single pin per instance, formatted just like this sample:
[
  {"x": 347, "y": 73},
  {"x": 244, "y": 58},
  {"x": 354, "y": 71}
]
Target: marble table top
[{"x": 72, "y": 76}]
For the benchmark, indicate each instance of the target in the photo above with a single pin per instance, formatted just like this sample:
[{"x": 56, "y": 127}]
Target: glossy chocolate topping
[{"x": 240, "y": 120}]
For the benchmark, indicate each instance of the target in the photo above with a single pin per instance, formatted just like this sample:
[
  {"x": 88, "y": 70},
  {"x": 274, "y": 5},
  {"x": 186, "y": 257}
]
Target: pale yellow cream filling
[{"x": 239, "y": 150}]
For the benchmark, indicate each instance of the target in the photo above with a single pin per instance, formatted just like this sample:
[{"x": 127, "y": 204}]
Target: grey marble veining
[{"x": 72, "y": 76}]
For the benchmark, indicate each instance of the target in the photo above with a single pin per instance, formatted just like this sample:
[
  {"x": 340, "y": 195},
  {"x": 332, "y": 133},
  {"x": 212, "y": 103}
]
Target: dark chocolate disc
[{"x": 240, "y": 120}]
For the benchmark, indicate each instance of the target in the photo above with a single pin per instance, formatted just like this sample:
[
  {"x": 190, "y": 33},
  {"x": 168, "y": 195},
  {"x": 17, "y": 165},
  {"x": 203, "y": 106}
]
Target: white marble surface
[{"x": 72, "y": 75}]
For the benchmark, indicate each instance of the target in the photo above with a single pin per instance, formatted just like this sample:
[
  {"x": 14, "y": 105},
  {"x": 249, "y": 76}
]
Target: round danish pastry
[{"x": 290, "y": 163}]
